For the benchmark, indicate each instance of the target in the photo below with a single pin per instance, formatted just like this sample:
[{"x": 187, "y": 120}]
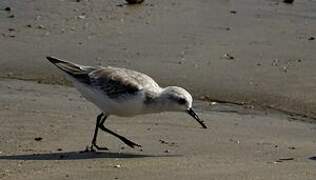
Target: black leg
[
  {"x": 126, "y": 141},
  {"x": 100, "y": 120}
]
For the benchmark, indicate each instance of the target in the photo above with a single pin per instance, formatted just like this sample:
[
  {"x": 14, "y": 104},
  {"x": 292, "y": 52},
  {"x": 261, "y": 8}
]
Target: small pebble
[
  {"x": 311, "y": 38},
  {"x": 41, "y": 27},
  {"x": 229, "y": 57},
  {"x": 292, "y": 147},
  {"x": 82, "y": 17},
  {"x": 38, "y": 138},
  {"x": 213, "y": 103},
  {"x": 59, "y": 149},
  {"x": 167, "y": 151},
  {"x": 233, "y": 12},
  {"x": 11, "y": 16},
  {"x": 134, "y": 1},
  {"x": 29, "y": 25},
  {"x": 249, "y": 107},
  {"x": 117, "y": 166},
  {"x": 163, "y": 141},
  {"x": 285, "y": 69},
  {"x": 288, "y": 1},
  {"x": 275, "y": 62},
  {"x": 7, "y": 9}
]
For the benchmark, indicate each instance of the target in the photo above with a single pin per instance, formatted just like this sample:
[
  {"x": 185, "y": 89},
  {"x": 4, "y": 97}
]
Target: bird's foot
[
  {"x": 97, "y": 148},
  {"x": 94, "y": 148}
]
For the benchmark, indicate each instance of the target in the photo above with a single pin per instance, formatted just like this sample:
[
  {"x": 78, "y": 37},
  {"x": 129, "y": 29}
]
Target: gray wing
[
  {"x": 119, "y": 82},
  {"x": 113, "y": 82}
]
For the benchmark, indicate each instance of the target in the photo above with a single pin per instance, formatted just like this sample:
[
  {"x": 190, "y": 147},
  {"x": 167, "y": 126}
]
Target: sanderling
[{"x": 124, "y": 92}]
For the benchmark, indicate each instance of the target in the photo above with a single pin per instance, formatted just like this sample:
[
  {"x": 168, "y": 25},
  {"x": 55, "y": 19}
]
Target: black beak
[{"x": 196, "y": 117}]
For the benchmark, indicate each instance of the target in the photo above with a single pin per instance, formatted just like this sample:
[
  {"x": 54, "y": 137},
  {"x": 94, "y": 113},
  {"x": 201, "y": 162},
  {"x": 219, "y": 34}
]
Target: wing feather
[
  {"x": 112, "y": 82},
  {"x": 119, "y": 82}
]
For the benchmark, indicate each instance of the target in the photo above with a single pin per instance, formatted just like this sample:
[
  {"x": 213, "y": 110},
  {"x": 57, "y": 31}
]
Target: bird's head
[{"x": 179, "y": 99}]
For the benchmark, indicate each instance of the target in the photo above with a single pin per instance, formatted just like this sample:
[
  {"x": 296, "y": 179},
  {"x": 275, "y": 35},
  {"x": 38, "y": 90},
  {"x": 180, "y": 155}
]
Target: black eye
[{"x": 181, "y": 101}]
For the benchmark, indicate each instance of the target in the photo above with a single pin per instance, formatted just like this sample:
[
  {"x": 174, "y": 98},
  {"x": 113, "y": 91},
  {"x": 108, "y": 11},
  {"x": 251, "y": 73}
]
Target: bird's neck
[{"x": 156, "y": 102}]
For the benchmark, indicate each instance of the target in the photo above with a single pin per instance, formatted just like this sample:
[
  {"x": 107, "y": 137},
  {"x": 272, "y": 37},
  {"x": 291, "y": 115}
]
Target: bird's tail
[{"x": 69, "y": 67}]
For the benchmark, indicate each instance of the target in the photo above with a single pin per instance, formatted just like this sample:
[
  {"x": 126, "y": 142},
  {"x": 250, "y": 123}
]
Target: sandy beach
[
  {"x": 257, "y": 55},
  {"x": 43, "y": 132}
]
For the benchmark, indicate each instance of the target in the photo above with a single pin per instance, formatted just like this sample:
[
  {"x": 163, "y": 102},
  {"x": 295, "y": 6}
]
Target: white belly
[{"x": 122, "y": 107}]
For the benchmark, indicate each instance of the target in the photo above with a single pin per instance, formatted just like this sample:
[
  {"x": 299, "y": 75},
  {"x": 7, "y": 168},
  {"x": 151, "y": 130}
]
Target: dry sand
[{"x": 179, "y": 42}]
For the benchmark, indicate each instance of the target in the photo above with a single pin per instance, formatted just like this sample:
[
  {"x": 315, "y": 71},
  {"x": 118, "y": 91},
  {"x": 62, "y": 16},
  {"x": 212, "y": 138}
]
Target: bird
[{"x": 125, "y": 93}]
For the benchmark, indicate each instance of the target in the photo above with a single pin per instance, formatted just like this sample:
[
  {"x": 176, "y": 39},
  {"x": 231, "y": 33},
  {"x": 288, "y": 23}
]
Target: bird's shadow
[{"x": 75, "y": 155}]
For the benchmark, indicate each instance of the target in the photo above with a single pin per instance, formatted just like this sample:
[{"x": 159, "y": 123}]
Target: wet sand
[{"x": 241, "y": 143}]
